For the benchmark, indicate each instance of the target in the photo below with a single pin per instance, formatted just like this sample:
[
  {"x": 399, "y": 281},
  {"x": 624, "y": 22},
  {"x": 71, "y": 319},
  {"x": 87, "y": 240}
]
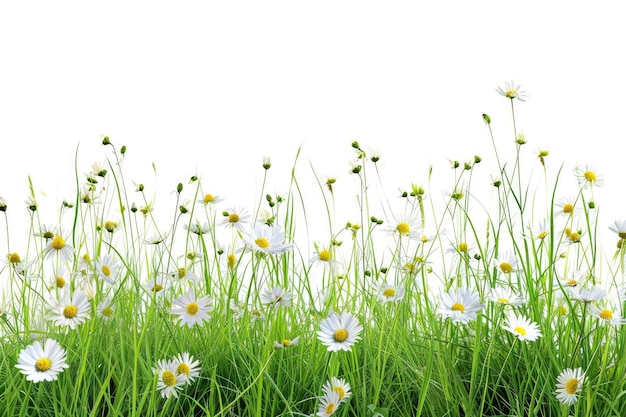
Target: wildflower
[
  {"x": 3, "y": 204},
  {"x": 236, "y": 217},
  {"x": 542, "y": 230},
  {"x": 107, "y": 267},
  {"x": 606, "y": 315},
  {"x": 197, "y": 228},
  {"x": 568, "y": 385},
  {"x": 287, "y": 343},
  {"x": 511, "y": 91},
  {"x": 506, "y": 296},
  {"x": 566, "y": 206},
  {"x": 58, "y": 246},
  {"x": 110, "y": 226},
  {"x": 619, "y": 227},
  {"x": 328, "y": 404},
  {"x": 588, "y": 176},
  {"x": 506, "y": 263},
  {"x": 31, "y": 204},
  {"x": 405, "y": 225},
  {"x": 42, "y": 363},
  {"x": 183, "y": 274},
  {"x": 192, "y": 311},
  {"x": 59, "y": 280},
  {"x": 210, "y": 199},
  {"x": 411, "y": 265},
  {"x": 267, "y": 163},
  {"x": 339, "y": 331},
  {"x": 460, "y": 305},
  {"x": 573, "y": 278},
  {"x": 169, "y": 382},
  {"x": 156, "y": 285},
  {"x": 463, "y": 249},
  {"x": 71, "y": 311},
  {"x": 338, "y": 385},
  {"x": 587, "y": 295},
  {"x": 47, "y": 232},
  {"x": 276, "y": 296},
  {"x": 187, "y": 366},
  {"x": 390, "y": 293},
  {"x": 522, "y": 328},
  {"x": 267, "y": 239},
  {"x": 105, "y": 309},
  {"x": 324, "y": 257}
]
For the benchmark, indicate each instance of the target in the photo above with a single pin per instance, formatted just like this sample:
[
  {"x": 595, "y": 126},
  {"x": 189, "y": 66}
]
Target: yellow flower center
[
  {"x": 157, "y": 287},
  {"x": 107, "y": 311},
  {"x": 106, "y": 271},
  {"x": 341, "y": 335},
  {"x": 183, "y": 369},
  {"x": 458, "y": 307},
  {"x": 192, "y": 309},
  {"x": 389, "y": 292},
  {"x": 87, "y": 259},
  {"x": 233, "y": 218},
  {"x": 574, "y": 237},
  {"x": 168, "y": 378},
  {"x": 606, "y": 314},
  {"x": 208, "y": 198},
  {"x": 324, "y": 255},
  {"x": 14, "y": 258},
  {"x": 58, "y": 243},
  {"x": 590, "y": 176},
  {"x": 70, "y": 312},
  {"x": 571, "y": 386},
  {"x": 504, "y": 300},
  {"x": 562, "y": 310},
  {"x": 506, "y": 267},
  {"x": 542, "y": 235},
  {"x": 572, "y": 283},
  {"x": 403, "y": 229},
  {"x": 463, "y": 247},
  {"x": 231, "y": 260},
  {"x": 262, "y": 243},
  {"x": 330, "y": 408},
  {"x": 511, "y": 93},
  {"x": 60, "y": 282},
  {"x": 340, "y": 391},
  {"x": 286, "y": 342},
  {"x": 520, "y": 330},
  {"x": 568, "y": 208},
  {"x": 410, "y": 267},
  {"x": 182, "y": 272},
  {"x": 43, "y": 364},
  {"x": 110, "y": 226}
]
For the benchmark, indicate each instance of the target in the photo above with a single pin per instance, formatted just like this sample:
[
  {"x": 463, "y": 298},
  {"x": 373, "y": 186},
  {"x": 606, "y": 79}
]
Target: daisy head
[
  {"x": 169, "y": 381},
  {"x": 587, "y": 295},
  {"x": 191, "y": 310},
  {"x": 339, "y": 331},
  {"x": 619, "y": 227},
  {"x": 276, "y": 297},
  {"x": 210, "y": 199},
  {"x": 106, "y": 268},
  {"x": 187, "y": 366},
  {"x": 155, "y": 286},
  {"x": 511, "y": 91},
  {"x": 42, "y": 362},
  {"x": 184, "y": 274},
  {"x": 566, "y": 207},
  {"x": 463, "y": 249},
  {"x": 328, "y": 404},
  {"x": 522, "y": 328},
  {"x": 460, "y": 305},
  {"x": 287, "y": 343},
  {"x": 57, "y": 246},
  {"x": 506, "y": 263},
  {"x": 236, "y": 217},
  {"x": 587, "y": 176},
  {"x": 568, "y": 384},
  {"x": 324, "y": 258},
  {"x": 267, "y": 239},
  {"x": 541, "y": 230},
  {"x": 338, "y": 385},
  {"x": 105, "y": 309},
  {"x": 506, "y": 297},
  {"x": 405, "y": 225},
  {"x": 197, "y": 227},
  {"x": 606, "y": 314},
  {"x": 71, "y": 311},
  {"x": 388, "y": 293}
]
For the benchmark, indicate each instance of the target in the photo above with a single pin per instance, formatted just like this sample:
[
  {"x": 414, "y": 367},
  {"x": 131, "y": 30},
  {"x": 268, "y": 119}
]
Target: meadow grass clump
[{"x": 492, "y": 298}]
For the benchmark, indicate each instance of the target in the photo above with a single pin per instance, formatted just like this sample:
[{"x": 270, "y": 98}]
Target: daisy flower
[
  {"x": 328, "y": 404},
  {"x": 276, "y": 296},
  {"x": 606, "y": 315},
  {"x": 107, "y": 267},
  {"x": 169, "y": 381},
  {"x": 267, "y": 239},
  {"x": 405, "y": 225},
  {"x": 339, "y": 331},
  {"x": 156, "y": 285},
  {"x": 59, "y": 279},
  {"x": 463, "y": 249},
  {"x": 71, "y": 311},
  {"x": 587, "y": 295},
  {"x": 541, "y": 230},
  {"x": 511, "y": 91},
  {"x": 566, "y": 206},
  {"x": 210, "y": 199},
  {"x": 588, "y": 176},
  {"x": 574, "y": 278},
  {"x": 287, "y": 343},
  {"x": 58, "y": 246},
  {"x": 236, "y": 217},
  {"x": 42, "y": 363},
  {"x": 185, "y": 274},
  {"x": 522, "y": 328},
  {"x": 47, "y": 232},
  {"x": 105, "y": 309},
  {"x": 192, "y": 311},
  {"x": 568, "y": 385},
  {"x": 619, "y": 227},
  {"x": 390, "y": 293},
  {"x": 338, "y": 385},
  {"x": 197, "y": 228},
  {"x": 460, "y": 305},
  {"x": 187, "y": 366},
  {"x": 506, "y": 263},
  {"x": 506, "y": 296},
  {"x": 324, "y": 257}
]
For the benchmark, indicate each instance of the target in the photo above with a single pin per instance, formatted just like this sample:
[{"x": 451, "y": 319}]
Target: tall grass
[{"x": 521, "y": 246}]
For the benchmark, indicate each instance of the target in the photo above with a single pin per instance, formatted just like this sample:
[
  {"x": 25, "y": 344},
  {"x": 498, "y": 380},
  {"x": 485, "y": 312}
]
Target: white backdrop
[{"x": 209, "y": 88}]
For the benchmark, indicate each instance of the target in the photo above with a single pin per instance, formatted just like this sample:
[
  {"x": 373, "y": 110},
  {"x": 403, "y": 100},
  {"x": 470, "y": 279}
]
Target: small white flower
[
  {"x": 42, "y": 363},
  {"x": 236, "y": 217},
  {"x": 506, "y": 296},
  {"x": 619, "y": 227},
  {"x": 587, "y": 176},
  {"x": 107, "y": 267},
  {"x": 460, "y": 305},
  {"x": 511, "y": 91},
  {"x": 192, "y": 311},
  {"x": 71, "y": 311},
  {"x": 522, "y": 328},
  {"x": 276, "y": 296},
  {"x": 338, "y": 385},
  {"x": 587, "y": 295},
  {"x": 287, "y": 343},
  {"x": 210, "y": 199},
  {"x": 169, "y": 381},
  {"x": 105, "y": 309},
  {"x": 339, "y": 331},
  {"x": 569, "y": 383},
  {"x": 267, "y": 239},
  {"x": 187, "y": 366},
  {"x": 58, "y": 246},
  {"x": 405, "y": 225},
  {"x": 606, "y": 315},
  {"x": 389, "y": 293},
  {"x": 328, "y": 404}
]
